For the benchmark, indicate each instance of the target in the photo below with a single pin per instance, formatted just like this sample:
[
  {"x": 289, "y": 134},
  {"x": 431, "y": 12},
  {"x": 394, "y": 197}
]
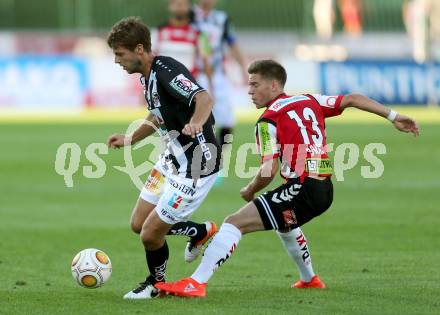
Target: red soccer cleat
[
  {"x": 187, "y": 287},
  {"x": 315, "y": 283}
]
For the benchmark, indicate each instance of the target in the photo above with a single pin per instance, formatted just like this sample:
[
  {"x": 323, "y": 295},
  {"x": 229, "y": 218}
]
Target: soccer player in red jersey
[
  {"x": 292, "y": 130},
  {"x": 181, "y": 38}
]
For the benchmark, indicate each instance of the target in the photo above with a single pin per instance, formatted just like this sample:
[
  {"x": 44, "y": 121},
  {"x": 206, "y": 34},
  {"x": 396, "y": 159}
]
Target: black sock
[
  {"x": 157, "y": 262},
  {"x": 196, "y": 231},
  {"x": 223, "y": 132}
]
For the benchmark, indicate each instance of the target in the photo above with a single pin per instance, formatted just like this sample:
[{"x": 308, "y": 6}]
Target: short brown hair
[
  {"x": 130, "y": 32},
  {"x": 269, "y": 69}
]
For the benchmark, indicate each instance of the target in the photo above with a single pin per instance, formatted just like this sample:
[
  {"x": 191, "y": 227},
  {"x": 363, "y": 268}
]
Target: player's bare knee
[
  {"x": 229, "y": 219},
  {"x": 147, "y": 238},
  {"x": 235, "y": 221},
  {"x": 151, "y": 243},
  {"x": 150, "y": 238},
  {"x": 136, "y": 227}
]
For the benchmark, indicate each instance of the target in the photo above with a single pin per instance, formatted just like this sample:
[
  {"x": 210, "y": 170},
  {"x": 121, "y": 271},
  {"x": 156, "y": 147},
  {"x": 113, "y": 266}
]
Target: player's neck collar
[
  {"x": 147, "y": 76},
  {"x": 282, "y": 95}
]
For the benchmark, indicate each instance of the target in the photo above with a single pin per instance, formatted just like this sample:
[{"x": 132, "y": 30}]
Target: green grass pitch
[{"x": 377, "y": 248}]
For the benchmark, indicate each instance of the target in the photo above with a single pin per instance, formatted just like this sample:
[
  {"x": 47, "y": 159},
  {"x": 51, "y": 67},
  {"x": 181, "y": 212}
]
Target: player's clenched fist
[{"x": 117, "y": 141}]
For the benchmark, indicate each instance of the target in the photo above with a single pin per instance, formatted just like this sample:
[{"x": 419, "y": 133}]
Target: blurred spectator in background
[
  {"x": 181, "y": 39},
  {"x": 351, "y": 13},
  {"x": 408, "y": 12},
  {"x": 422, "y": 23},
  {"x": 324, "y": 16},
  {"x": 434, "y": 19},
  {"x": 216, "y": 25},
  {"x": 415, "y": 20}
]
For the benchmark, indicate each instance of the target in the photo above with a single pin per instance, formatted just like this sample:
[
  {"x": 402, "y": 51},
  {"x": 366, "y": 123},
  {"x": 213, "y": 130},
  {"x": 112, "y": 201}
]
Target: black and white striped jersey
[
  {"x": 169, "y": 91},
  {"x": 219, "y": 31}
]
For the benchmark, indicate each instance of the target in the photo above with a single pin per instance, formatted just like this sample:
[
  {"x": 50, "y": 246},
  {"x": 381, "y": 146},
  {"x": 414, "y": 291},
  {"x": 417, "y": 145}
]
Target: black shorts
[{"x": 293, "y": 204}]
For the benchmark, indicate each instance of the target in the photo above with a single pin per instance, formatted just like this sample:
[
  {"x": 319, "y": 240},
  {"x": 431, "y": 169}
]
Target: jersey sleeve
[
  {"x": 229, "y": 33},
  {"x": 177, "y": 80},
  {"x": 329, "y": 104},
  {"x": 266, "y": 139}
]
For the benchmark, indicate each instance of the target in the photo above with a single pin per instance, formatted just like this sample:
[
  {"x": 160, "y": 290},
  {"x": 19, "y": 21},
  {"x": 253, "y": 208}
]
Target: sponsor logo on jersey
[
  {"x": 183, "y": 85},
  {"x": 312, "y": 166},
  {"x": 205, "y": 148},
  {"x": 325, "y": 100},
  {"x": 182, "y": 187},
  {"x": 287, "y": 101},
  {"x": 155, "y": 182},
  {"x": 319, "y": 166},
  {"x": 331, "y": 101},
  {"x": 175, "y": 201}
]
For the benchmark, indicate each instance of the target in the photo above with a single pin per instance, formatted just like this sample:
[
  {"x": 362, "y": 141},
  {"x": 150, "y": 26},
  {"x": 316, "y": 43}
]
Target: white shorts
[
  {"x": 223, "y": 111},
  {"x": 176, "y": 198}
]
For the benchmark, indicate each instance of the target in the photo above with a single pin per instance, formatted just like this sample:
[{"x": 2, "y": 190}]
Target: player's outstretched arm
[
  {"x": 117, "y": 141},
  {"x": 201, "y": 114},
  {"x": 401, "y": 122}
]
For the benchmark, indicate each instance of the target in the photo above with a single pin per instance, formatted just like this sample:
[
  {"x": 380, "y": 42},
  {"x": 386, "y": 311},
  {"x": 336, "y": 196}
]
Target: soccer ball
[{"x": 91, "y": 268}]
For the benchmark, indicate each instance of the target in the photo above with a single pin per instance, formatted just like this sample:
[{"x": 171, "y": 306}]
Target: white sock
[
  {"x": 220, "y": 249},
  {"x": 296, "y": 245}
]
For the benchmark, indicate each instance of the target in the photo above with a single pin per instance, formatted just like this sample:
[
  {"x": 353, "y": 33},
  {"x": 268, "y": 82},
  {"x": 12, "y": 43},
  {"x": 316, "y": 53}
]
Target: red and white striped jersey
[
  {"x": 292, "y": 128},
  {"x": 180, "y": 43}
]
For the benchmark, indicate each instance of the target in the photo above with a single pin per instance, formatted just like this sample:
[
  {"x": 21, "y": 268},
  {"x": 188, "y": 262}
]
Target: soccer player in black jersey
[{"x": 180, "y": 110}]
